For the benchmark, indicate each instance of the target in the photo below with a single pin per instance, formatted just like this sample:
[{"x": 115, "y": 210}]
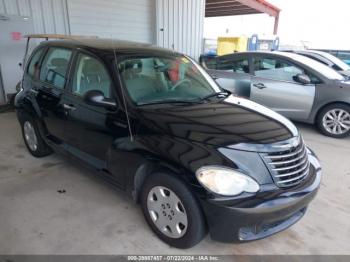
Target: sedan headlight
[{"x": 226, "y": 181}]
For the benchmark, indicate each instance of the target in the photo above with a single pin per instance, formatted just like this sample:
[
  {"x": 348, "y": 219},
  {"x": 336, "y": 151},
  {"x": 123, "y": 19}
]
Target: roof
[
  {"x": 239, "y": 7},
  {"x": 278, "y": 53},
  {"x": 108, "y": 45}
]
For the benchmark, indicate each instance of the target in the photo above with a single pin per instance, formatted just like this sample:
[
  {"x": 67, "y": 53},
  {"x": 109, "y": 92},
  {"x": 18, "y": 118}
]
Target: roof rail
[{"x": 58, "y": 36}]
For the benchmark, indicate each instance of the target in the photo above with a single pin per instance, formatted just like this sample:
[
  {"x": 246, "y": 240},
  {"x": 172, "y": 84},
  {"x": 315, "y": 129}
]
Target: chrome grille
[{"x": 289, "y": 166}]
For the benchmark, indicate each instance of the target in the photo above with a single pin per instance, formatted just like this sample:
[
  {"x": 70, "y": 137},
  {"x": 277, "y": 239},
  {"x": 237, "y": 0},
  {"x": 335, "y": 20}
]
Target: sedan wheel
[
  {"x": 30, "y": 136},
  {"x": 336, "y": 121},
  {"x": 167, "y": 212}
]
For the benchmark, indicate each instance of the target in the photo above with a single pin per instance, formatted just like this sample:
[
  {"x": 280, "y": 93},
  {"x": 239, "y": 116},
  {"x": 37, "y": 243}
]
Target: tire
[
  {"x": 41, "y": 149},
  {"x": 188, "y": 207},
  {"x": 330, "y": 111}
]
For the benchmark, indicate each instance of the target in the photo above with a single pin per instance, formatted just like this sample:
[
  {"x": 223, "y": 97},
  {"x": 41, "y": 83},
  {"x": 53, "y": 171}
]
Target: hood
[{"x": 224, "y": 123}]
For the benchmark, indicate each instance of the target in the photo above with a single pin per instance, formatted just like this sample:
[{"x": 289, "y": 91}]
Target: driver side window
[
  {"x": 277, "y": 69},
  {"x": 90, "y": 74}
]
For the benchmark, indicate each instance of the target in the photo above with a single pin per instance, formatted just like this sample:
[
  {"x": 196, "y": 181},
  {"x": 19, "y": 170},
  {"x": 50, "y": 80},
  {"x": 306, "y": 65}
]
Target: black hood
[{"x": 224, "y": 123}]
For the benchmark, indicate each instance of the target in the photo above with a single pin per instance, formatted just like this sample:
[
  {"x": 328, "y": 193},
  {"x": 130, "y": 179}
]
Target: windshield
[
  {"x": 334, "y": 60},
  {"x": 156, "y": 79},
  {"x": 317, "y": 66}
]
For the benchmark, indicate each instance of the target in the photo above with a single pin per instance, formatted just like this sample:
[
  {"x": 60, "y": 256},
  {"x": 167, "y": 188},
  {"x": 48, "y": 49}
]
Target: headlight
[{"x": 226, "y": 181}]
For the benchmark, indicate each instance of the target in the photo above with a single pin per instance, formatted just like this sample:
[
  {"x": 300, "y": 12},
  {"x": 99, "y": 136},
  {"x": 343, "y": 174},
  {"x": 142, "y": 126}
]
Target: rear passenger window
[
  {"x": 34, "y": 64},
  {"x": 90, "y": 74},
  {"x": 239, "y": 65},
  {"x": 55, "y": 66}
]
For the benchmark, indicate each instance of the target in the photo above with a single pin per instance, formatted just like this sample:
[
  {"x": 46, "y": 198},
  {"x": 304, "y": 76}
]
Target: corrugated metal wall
[
  {"x": 49, "y": 16},
  {"x": 180, "y": 25},
  {"x": 121, "y": 19},
  {"x": 174, "y": 24}
]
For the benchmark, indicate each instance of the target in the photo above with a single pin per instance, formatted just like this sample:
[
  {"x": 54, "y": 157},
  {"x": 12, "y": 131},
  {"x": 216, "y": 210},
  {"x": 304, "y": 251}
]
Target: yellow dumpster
[{"x": 228, "y": 45}]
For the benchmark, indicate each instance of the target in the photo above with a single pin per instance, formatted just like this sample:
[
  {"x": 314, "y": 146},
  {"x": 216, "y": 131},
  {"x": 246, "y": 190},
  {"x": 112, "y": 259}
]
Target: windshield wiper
[
  {"x": 168, "y": 101},
  {"x": 221, "y": 94}
]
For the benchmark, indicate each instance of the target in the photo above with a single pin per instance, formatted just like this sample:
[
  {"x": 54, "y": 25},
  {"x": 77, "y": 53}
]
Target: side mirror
[
  {"x": 97, "y": 98},
  {"x": 302, "y": 79}
]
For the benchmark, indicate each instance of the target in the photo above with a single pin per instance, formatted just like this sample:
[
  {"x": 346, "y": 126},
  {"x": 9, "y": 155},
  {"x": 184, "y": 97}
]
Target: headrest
[
  {"x": 134, "y": 65},
  {"x": 91, "y": 66},
  {"x": 59, "y": 62}
]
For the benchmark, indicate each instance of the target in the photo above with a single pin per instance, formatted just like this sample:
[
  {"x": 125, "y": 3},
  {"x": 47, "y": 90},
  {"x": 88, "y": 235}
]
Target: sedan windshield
[
  {"x": 335, "y": 60},
  {"x": 317, "y": 66},
  {"x": 169, "y": 79}
]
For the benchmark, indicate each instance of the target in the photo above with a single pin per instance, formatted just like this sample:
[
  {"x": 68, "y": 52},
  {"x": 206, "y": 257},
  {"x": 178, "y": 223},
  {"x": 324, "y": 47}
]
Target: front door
[
  {"x": 273, "y": 85},
  {"x": 89, "y": 130}
]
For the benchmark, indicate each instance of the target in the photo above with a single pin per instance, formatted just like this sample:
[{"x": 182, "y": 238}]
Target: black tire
[
  {"x": 323, "y": 112},
  {"x": 196, "y": 229},
  {"x": 42, "y": 149}
]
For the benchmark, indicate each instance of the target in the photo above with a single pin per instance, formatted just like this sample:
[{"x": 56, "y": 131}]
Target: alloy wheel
[
  {"x": 30, "y": 136},
  {"x": 336, "y": 121},
  {"x": 167, "y": 212}
]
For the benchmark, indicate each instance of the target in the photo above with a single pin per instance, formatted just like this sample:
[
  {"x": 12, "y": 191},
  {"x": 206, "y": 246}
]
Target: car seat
[
  {"x": 94, "y": 77},
  {"x": 56, "y": 72},
  {"x": 137, "y": 84}
]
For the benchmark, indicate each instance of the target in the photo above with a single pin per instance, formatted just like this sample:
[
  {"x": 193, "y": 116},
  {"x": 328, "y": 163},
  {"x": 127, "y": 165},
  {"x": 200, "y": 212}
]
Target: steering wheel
[{"x": 179, "y": 83}]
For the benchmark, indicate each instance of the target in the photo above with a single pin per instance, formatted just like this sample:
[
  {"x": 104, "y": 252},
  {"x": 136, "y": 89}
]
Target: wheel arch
[
  {"x": 318, "y": 111},
  {"x": 25, "y": 107},
  {"x": 149, "y": 167}
]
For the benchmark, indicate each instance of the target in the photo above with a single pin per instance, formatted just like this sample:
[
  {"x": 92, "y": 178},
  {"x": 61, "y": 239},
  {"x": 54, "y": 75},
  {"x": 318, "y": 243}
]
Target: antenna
[{"x": 123, "y": 95}]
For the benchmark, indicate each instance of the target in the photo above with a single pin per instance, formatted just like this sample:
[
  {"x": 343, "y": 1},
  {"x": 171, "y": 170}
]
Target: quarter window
[
  {"x": 34, "y": 64},
  {"x": 55, "y": 66},
  {"x": 90, "y": 74},
  {"x": 275, "y": 69}
]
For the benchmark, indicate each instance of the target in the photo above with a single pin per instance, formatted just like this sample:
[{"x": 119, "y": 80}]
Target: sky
[{"x": 311, "y": 23}]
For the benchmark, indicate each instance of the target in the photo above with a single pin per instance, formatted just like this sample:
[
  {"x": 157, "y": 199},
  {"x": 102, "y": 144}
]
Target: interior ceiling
[{"x": 239, "y": 7}]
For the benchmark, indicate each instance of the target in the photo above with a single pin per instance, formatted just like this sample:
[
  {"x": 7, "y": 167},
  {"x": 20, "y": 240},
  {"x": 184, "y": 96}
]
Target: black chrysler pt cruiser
[{"x": 154, "y": 124}]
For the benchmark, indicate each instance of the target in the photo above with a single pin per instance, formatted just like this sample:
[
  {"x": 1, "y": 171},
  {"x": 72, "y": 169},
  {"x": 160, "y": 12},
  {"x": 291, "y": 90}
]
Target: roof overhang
[
  {"x": 214, "y": 8},
  {"x": 239, "y": 7}
]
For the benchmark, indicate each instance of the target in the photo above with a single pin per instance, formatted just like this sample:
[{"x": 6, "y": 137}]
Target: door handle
[
  {"x": 69, "y": 107},
  {"x": 259, "y": 85}
]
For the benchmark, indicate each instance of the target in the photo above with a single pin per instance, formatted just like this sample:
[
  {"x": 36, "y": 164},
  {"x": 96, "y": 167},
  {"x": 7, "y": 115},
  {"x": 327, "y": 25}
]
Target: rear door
[
  {"x": 233, "y": 73},
  {"x": 48, "y": 79},
  {"x": 273, "y": 85}
]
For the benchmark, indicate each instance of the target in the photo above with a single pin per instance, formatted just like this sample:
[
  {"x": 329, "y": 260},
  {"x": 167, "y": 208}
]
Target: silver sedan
[{"x": 295, "y": 86}]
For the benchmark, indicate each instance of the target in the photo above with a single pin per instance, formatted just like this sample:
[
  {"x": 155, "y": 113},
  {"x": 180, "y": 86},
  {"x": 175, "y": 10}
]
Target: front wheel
[
  {"x": 172, "y": 211},
  {"x": 334, "y": 120}
]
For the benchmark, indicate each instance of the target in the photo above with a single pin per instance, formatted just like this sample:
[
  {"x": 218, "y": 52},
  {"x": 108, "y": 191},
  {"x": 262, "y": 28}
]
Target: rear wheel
[
  {"x": 32, "y": 138},
  {"x": 172, "y": 211},
  {"x": 334, "y": 120}
]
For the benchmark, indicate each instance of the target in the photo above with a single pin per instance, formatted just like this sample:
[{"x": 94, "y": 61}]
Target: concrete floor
[{"x": 91, "y": 217}]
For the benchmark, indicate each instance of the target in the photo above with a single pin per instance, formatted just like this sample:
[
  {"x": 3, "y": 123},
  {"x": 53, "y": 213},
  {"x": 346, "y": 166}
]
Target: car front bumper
[{"x": 253, "y": 217}]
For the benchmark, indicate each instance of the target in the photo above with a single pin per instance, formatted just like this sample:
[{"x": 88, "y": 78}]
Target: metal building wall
[
  {"x": 49, "y": 16},
  {"x": 121, "y": 19},
  {"x": 180, "y": 25}
]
